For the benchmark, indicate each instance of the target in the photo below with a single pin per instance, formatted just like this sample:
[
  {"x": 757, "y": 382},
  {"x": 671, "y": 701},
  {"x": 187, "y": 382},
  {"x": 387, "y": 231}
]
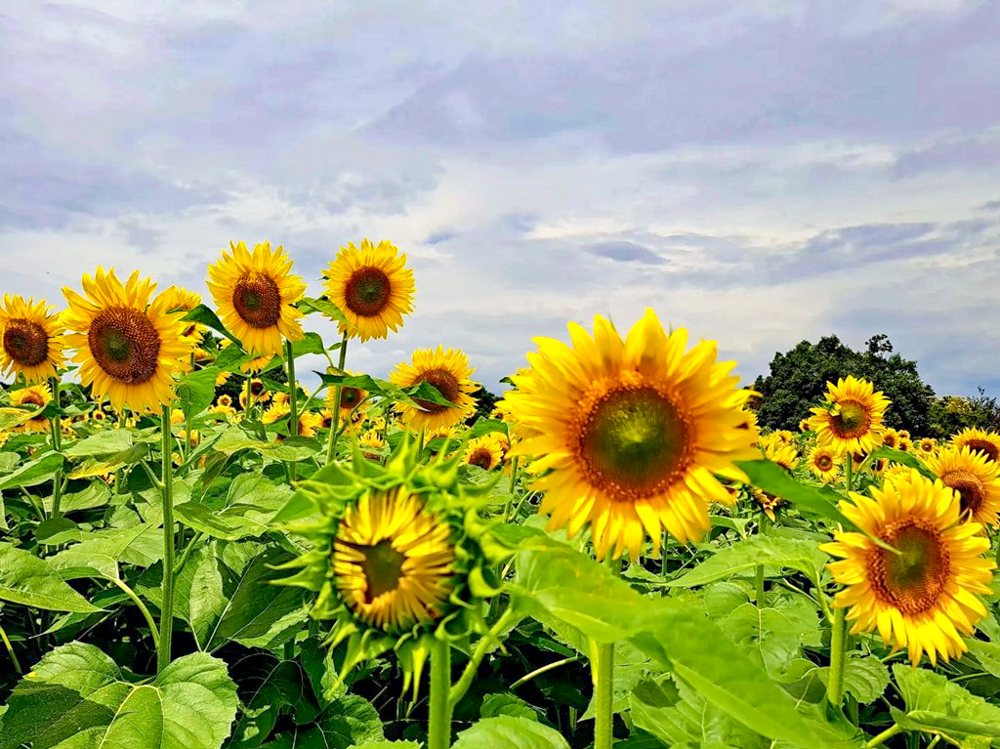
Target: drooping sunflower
[
  {"x": 34, "y": 395},
  {"x": 851, "y": 418},
  {"x": 32, "y": 338},
  {"x": 769, "y": 503},
  {"x": 448, "y": 371},
  {"x": 975, "y": 479},
  {"x": 629, "y": 433},
  {"x": 981, "y": 441},
  {"x": 372, "y": 287},
  {"x": 254, "y": 294},
  {"x": 485, "y": 452},
  {"x": 129, "y": 347},
  {"x": 824, "y": 463},
  {"x": 924, "y": 598},
  {"x": 927, "y": 446}
]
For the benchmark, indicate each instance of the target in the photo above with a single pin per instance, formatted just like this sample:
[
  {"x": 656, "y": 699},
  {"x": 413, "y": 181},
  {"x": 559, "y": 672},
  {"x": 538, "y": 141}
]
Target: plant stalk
[
  {"x": 884, "y": 736},
  {"x": 439, "y": 718},
  {"x": 603, "y": 670},
  {"x": 56, "y": 428},
  {"x": 838, "y": 642},
  {"x": 141, "y": 606},
  {"x": 510, "y": 489},
  {"x": 10, "y": 649},
  {"x": 331, "y": 440},
  {"x": 293, "y": 405},
  {"x": 166, "y": 489}
]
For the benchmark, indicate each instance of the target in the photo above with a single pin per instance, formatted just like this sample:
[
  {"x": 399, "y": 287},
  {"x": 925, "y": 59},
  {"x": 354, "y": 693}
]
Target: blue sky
[{"x": 759, "y": 172}]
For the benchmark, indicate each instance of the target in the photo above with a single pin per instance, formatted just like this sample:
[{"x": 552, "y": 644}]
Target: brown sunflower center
[
  {"x": 349, "y": 397},
  {"x": 984, "y": 447},
  {"x": 633, "y": 441},
  {"x": 26, "y": 342},
  {"x": 34, "y": 399},
  {"x": 368, "y": 292},
  {"x": 256, "y": 388},
  {"x": 446, "y": 383},
  {"x": 125, "y": 344},
  {"x": 852, "y": 420},
  {"x": 889, "y": 440},
  {"x": 914, "y": 579},
  {"x": 971, "y": 491},
  {"x": 257, "y": 300},
  {"x": 481, "y": 457},
  {"x": 824, "y": 462}
]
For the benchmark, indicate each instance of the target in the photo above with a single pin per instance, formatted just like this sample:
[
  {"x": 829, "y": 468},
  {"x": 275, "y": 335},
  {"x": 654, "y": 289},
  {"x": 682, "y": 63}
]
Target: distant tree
[
  {"x": 953, "y": 413},
  {"x": 798, "y": 378},
  {"x": 485, "y": 403}
]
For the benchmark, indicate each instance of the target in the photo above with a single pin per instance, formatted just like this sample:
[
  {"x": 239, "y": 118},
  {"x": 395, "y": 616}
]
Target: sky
[{"x": 759, "y": 172}]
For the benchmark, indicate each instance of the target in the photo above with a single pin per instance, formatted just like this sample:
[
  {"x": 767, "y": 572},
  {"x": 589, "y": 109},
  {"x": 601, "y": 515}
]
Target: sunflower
[
  {"x": 630, "y": 433},
  {"x": 129, "y": 347},
  {"x": 34, "y": 395},
  {"x": 980, "y": 441},
  {"x": 777, "y": 451},
  {"x": 254, "y": 294},
  {"x": 784, "y": 436},
  {"x": 922, "y": 598},
  {"x": 890, "y": 438},
  {"x": 448, "y": 371},
  {"x": 851, "y": 418},
  {"x": 904, "y": 444},
  {"x": 227, "y": 411},
  {"x": 370, "y": 441},
  {"x": 904, "y": 434},
  {"x": 350, "y": 398},
  {"x": 258, "y": 393},
  {"x": 222, "y": 378},
  {"x": 824, "y": 463},
  {"x": 372, "y": 287},
  {"x": 485, "y": 452},
  {"x": 179, "y": 299},
  {"x": 32, "y": 339},
  {"x": 225, "y": 400},
  {"x": 804, "y": 425},
  {"x": 768, "y": 502},
  {"x": 927, "y": 446},
  {"x": 309, "y": 423},
  {"x": 975, "y": 479},
  {"x": 275, "y": 412}
]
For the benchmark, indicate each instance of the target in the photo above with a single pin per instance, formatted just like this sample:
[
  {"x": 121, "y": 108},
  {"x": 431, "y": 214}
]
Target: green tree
[{"x": 953, "y": 413}]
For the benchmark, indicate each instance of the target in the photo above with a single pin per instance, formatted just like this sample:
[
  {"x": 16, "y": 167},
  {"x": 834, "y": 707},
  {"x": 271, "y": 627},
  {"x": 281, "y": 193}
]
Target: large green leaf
[
  {"x": 205, "y": 316},
  {"x": 309, "y": 305},
  {"x": 935, "y": 704},
  {"x": 36, "y": 472},
  {"x": 102, "y": 443},
  {"x": 96, "y": 494},
  {"x": 269, "y": 688},
  {"x": 509, "y": 732},
  {"x": 746, "y": 555},
  {"x": 31, "y": 581},
  {"x": 773, "y": 636},
  {"x": 384, "y": 389},
  {"x": 310, "y": 343},
  {"x": 196, "y": 391},
  {"x": 91, "y": 467},
  {"x": 864, "y": 677},
  {"x": 77, "y": 698},
  {"x": 903, "y": 458},
  {"x": 235, "y": 440},
  {"x": 348, "y": 720},
  {"x": 102, "y": 551},
  {"x": 12, "y": 417},
  {"x": 250, "y": 503}
]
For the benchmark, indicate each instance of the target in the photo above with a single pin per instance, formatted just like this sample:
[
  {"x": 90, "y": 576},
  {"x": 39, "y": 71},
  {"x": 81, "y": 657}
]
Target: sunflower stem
[
  {"x": 166, "y": 489},
  {"x": 884, "y": 736},
  {"x": 293, "y": 405},
  {"x": 838, "y": 643},
  {"x": 141, "y": 606},
  {"x": 439, "y": 718},
  {"x": 510, "y": 490},
  {"x": 507, "y": 620},
  {"x": 55, "y": 426},
  {"x": 849, "y": 472},
  {"x": 331, "y": 443},
  {"x": 603, "y": 671},
  {"x": 10, "y": 649}
]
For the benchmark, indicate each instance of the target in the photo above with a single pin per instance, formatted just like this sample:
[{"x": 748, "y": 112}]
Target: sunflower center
[
  {"x": 824, "y": 462},
  {"x": 633, "y": 441},
  {"x": 914, "y": 579},
  {"x": 125, "y": 344},
  {"x": 445, "y": 382},
  {"x": 481, "y": 457},
  {"x": 26, "y": 342},
  {"x": 368, "y": 292},
  {"x": 971, "y": 491},
  {"x": 349, "y": 397},
  {"x": 889, "y": 440},
  {"x": 257, "y": 300},
  {"x": 34, "y": 399},
  {"x": 852, "y": 420},
  {"x": 984, "y": 447},
  {"x": 256, "y": 388}
]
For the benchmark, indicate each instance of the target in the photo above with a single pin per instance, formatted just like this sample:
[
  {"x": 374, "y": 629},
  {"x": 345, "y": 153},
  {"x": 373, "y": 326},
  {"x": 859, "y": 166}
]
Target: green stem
[
  {"x": 760, "y": 585},
  {"x": 603, "y": 670},
  {"x": 166, "y": 489},
  {"x": 439, "y": 718},
  {"x": 331, "y": 440},
  {"x": 188, "y": 443},
  {"x": 56, "y": 427},
  {"x": 293, "y": 396},
  {"x": 504, "y": 623},
  {"x": 10, "y": 649},
  {"x": 543, "y": 670},
  {"x": 141, "y": 606},
  {"x": 849, "y": 472},
  {"x": 186, "y": 554},
  {"x": 884, "y": 736},
  {"x": 510, "y": 490},
  {"x": 838, "y": 642}
]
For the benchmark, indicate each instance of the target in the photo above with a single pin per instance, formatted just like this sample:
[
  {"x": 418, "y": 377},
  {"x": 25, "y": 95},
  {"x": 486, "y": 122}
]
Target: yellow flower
[
  {"x": 778, "y": 451},
  {"x": 372, "y": 287},
  {"x": 985, "y": 443},
  {"x": 922, "y": 599},
  {"x": 927, "y": 446},
  {"x": 768, "y": 502},
  {"x": 33, "y": 395},
  {"x": 350, "y": 398},
  {"x": 804, "y": 425},
  {"x": 254, "y": 294},
  {"x": 129, "y": 348},
  {"x": 904, "y": 444},
  {"x": 221, "y": 410},
  {"x": 180, "y": 299},
  {"x": 32, "y": 338},
  {"x": 448, "y": 371},
  {"x": 370, "y": 441},
  {"x": 309, "y": 423},
  {"x": 258, "y": 393},
  {"x": 890, "y": 438},
  {"x": 824, "y": 463},
  {"x": 630, "y": 434},
  {"x": 225, "y": 400},
  {"x": 975, "y": 479},
  {"x": 851, "y": 420},
  {"x": 904, "y": 434},
  {"x": 485, "y": 452}
]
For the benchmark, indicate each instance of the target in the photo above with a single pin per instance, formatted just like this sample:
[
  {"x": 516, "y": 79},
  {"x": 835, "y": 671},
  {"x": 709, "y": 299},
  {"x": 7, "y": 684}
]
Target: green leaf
[
  {"x": 96, "y": 494},
  {"x": 774, "y": 636},
  {"x": 510, "y": 732},
  {"x": 235, "y": 440},
  {"x": 12, "y": 417},
  {"x": 196, "y": 391},
  {"x": 348, "y": 720},
  {"x": 102, "y": 443},
  {"x": 309, "y": 305},
  {"x": 746, "y": 555},
  {"x": 386, "y": 745},
  {"x": 495, "y": 705},
  {"x": 934, "y": 703},
  {"x": 99, "y": 467},
  {"x": 987, "y": 653},
  {"x": 269, "y": 688},
  {"x": 205, "y": 316},
  {"x": 384, "y": 389},
  {"x": 31, "y": 581},
  {"x": 903, "y": 458},
  {"x": 311, "y": 343},
  {"x": 77, "y": 697},
  {"x": 866, "y": 678},
  {"x": 36, "y": 472},
  {"x": 100, "y": 553}
]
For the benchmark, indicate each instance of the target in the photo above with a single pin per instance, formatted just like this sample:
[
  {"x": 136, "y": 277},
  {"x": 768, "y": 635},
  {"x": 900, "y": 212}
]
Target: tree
[
  {"x": 485, "y": 403},
  {"x": 798, "y": 378},
  {"x": 953, "y": 413}
]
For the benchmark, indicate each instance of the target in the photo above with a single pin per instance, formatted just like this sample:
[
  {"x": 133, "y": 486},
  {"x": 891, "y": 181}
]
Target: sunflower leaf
[
  {"x": 30, "y": 581},
  {"x": 309, "y": 305},
  {"x": 36, "y": 472},
  {"x": 205, "y": 316},
  {"x": 934, "y": 703},
  {"x": 510, "y": 732},
  {"x": 424, "y": 391},
  {"x": 766, "y": 549},
  {"x": 11, "y": 417},
  {"x": 903, "y": 458}
]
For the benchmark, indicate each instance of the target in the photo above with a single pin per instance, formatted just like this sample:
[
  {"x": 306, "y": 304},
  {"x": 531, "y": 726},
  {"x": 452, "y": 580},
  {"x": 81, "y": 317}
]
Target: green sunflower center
[
  {"x": 852, "y": 420},
  {"x": 25, "y": 342},
  {"x": 633, "y": 442},
  {"x": 125, "y": 344},
  {"x": 445, "y": 382},
  {"x": 257, "y": 300},
  {"x": 971, "y": 491},
  {"x": 914, "y": 579},
  {"x": 984, "y": 447},
  {"x": 368, "y": 292}
]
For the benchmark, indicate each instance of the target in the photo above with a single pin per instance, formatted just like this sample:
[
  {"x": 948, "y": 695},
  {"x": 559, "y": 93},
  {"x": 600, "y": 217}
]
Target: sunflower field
[{"x": 197, "y": 551}]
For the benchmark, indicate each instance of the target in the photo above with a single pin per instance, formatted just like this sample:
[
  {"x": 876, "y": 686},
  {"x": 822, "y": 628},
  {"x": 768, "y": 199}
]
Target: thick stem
[
  {"x": 505, "y": 622},
  {"x": 10, "y": 650},
  {"x": 293, "y": 396},
  {"x": 141, "y": 606},
  {"x": 56, "y": 427},
  {"x": 331, "y": 440},
  {"x": 166, "y": 489},
  {"x": 849, "y": 472},
  {"x": 835, "y": 692},
  {"x": 603, "y": 670},
  {"x": 439, "y": 718},
  {"x": 884, "y": 736}
]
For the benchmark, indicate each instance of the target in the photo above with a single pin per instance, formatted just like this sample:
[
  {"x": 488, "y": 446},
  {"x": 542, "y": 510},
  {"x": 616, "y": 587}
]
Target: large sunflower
[
  {"x": 129, "y": 348},
  {"x": 922, "y": 599},
  {"x": 851, "y": 418},
  {"x": 448, "y": 371},
  {"x": 981, "y": 441},
  {"x": 629, "y": 434},
  {"x": 255, "y": 293},
  {"x": 34, "y": 395},
  {"x": 32, "y": 338},
  {"x": 372, "y": 287},
  {"x": 824, "y": 463},
  {"x": 975, "y": 479}
]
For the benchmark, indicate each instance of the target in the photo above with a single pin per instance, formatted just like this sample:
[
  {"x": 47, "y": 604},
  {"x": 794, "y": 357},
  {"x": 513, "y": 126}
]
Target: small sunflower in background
[
  {"x": 225, "y": 400},
  {"x": 34, "y": 395},
  {"x": 350, "y": 398},
  {"x": 975, "y": 479},
  {"x": 986, "y": 443},
  {"x": 179, "y": 299},
  {"x": 485, "y": 452},
  {"x": 769, "y": 503},
  {"x": 804, "y": 425},
  {"x": 258, "y": 393},
  {"x": 851, "y": 420},
  {"x": 31, "y": 336},
  {"x": 924, "y": 598},
  {"x": 448, "y": 371},
  {"x": 784, "y": 436},
  {"x": 220, "y": 410},
  {"x": 630, "y": 434},
  {"x": 371, "y": 445},
  {"x": 904, "y": 444},
  {"x": 778, "y": 451},
  {"x": 254, "y": 293},
  {"x": 926, "y": 446},
  {"x": 824, "y": 463},
  {"x": 905, "y": 434},
  {"x": 890, "y": 438},
  {"x": 372, "y": 287},
  {"x": 128, "y": 346}
]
